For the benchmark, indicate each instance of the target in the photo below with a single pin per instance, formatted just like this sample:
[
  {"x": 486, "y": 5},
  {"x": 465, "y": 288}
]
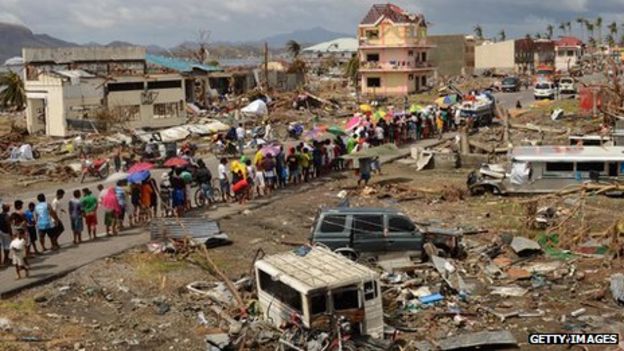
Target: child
[
  {"x": 18, "y": 252},
  {"x": 29, "y": 214},
  {"x": 75, "y": 217}
]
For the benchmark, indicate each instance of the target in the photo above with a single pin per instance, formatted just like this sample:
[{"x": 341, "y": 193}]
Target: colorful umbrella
[
  {"x": 272, "y": 149},
  {"x": 138, "y": 177},
  {"x": 381, "y": 114},
  {"x": 176, "y": 162},
  {"x": 336, "y": 131},
  {"x": 109, "y": 200},
  {"x": 353, "y": 123},
  {"x": 236, "y": 166},
  {"x": 366, "y": 108},
  {"x": 186, "y": 176},
  {"x": 141, "y": 166},
  {"x": 415, "y": 108}
]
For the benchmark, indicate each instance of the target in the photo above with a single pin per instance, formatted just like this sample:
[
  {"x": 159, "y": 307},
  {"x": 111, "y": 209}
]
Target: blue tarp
[{"x": 178, "y": 64}]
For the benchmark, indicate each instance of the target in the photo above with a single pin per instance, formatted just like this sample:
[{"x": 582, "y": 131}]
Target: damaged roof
[
  {"x": 391, "y": 12},
  {"x": 318, "y": 268},
  {"x": 568, "y": 153},
  {"x": 179, "y": 65}
]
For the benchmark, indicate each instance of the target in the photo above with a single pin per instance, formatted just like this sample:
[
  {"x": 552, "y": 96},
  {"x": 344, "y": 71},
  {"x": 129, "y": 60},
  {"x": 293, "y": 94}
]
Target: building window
[
  {"x": 423, "y": 81},
  {"x": 559, "y": 167},
  {"x": 165, "y": 84},
  {"x": 410, "y": 53},
  {"x": 372, "y": 34},
  {"x": 372, "y": 57},
  {"x": 166, "y": 110},
  {"x": 570, "y": 52},
  {"x": 128, "y": 112},
  {"x": 126, "y": 86},
  {"x": 423, "y": 57},
  {"x": 590, "y": 166},
  {"x": 280, "y": 291},
  {"x": 373, "y": 82},
  {"x": 411, "y": 77}
]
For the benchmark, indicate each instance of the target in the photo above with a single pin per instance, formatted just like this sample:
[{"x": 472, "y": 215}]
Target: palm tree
[
  {"x": 478, "y": 31},
  {"x": 562, "y": 28},
  {"x": 599, "y": 27},
  {"x": 590, "y": 31},
  {"x": 610, "y": 40},
  {"x": 613, "y": 28},
  {"x": 293, "y": 48},
  {"x": 527, "y": 36},
  {"x": 569, "y": 26},
  {"x": 538, "y": 35},
  {"x": 502, "y": 35},
  {"x": 549, "y": 31},
  {"x": 581, "y": 22},
  {"x": 622, "y": 39},
  {"x": 14, "y": 94},
  {"x": 352, "y": 69}
]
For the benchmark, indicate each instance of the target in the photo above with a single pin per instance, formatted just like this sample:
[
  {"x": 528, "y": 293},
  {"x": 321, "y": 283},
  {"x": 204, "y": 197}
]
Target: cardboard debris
[
  {"x": 478, "y": 339},
  {"x": 522, "y": 245}
]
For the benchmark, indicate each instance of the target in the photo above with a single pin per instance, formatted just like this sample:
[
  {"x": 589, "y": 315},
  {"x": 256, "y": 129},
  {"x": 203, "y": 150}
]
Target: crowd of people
[{"x": 31, "y": 229}]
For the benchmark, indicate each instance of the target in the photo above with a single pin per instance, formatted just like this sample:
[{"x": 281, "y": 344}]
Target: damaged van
[{"x": 313, "y": 283}]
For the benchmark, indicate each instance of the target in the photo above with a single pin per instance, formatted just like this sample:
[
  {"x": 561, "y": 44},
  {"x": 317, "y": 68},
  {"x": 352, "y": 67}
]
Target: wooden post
[
  {"x": 463, "y": 140},
  {"x": 506, "y": 131},
  {"x": 266, "y": 64}
]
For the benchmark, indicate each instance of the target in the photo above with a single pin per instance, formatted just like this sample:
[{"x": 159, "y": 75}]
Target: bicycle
[{"x": 200, "y": 195}]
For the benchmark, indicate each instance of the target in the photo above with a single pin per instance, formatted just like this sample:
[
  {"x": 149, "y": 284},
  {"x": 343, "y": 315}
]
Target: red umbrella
[
  {"x": 141, "y": 166},
  {"x": 176, "y": 162}
]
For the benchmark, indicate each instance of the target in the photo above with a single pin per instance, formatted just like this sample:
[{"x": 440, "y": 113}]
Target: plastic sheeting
[
  {"x": 256, "y": 108},
  {"x": 22, "y": 153}
]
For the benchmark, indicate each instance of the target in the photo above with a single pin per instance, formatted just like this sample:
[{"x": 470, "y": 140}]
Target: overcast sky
[{"x": 169, "y": 22}]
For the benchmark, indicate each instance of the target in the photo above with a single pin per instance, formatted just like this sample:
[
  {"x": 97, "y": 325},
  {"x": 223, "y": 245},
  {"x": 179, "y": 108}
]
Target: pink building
[{"x": 393, "y": 52}]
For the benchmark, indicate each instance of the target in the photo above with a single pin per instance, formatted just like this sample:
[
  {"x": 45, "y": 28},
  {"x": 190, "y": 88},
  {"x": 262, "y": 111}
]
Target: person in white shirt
[
  {"x": 18, "y": 252},
  {"x": 268, "y": 131},
  {"x": 240, "y": 138},
  {"x": 224, "y": 183},
  {"x": 59, "y": 228}
]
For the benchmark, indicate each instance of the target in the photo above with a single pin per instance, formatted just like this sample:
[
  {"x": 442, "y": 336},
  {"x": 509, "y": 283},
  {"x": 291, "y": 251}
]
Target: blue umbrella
[{"x": 139, "y": 177}]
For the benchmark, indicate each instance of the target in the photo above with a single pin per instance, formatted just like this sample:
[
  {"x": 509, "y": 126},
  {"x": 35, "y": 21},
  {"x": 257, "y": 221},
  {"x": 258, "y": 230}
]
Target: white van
[{"x": 314, "y": 282}]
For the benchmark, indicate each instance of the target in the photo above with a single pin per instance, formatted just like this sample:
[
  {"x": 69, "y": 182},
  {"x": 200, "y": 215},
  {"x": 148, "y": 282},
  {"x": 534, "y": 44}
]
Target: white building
[
  {"x": 568, "y": 53},
  {"x": 341, "y": 50},
  {"x": 73, "y": 88}
]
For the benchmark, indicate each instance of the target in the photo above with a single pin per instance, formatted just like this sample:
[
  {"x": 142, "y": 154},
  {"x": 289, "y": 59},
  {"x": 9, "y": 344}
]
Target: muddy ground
[{"x": 139, "y": 301}]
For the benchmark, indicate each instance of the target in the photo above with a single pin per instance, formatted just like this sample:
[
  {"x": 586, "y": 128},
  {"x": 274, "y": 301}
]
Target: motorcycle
[
  {"x": 99, "y": 168},
  {"x": 295, "y": 130}
]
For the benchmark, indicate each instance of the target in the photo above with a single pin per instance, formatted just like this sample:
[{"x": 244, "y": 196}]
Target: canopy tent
[{"x": 257, "y": 108}]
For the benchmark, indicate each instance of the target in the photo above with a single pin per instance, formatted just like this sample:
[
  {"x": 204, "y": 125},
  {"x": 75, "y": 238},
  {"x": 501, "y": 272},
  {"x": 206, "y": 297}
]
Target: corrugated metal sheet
[
  {"x": 200, "y": 230},
  {"x": 178, "y": 64}
]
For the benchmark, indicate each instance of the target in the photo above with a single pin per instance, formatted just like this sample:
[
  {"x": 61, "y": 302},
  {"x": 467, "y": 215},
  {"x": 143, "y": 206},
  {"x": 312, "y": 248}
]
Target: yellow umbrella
[
  {"x": 366, "y": 108},
  {"x": 236, "y": 166}
]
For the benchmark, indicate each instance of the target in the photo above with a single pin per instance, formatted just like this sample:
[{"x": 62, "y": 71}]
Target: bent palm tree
[
  {"x": 549, "y": 31},
  {"x": 293, "y": 48},
  {"x": 569, "y": 26},
  {"x": 502, "y": 35},
  {"x": 14, "y": 94},
  {"x": 599, "y": 28},
  {"x": 562, "y": 28},
  {"x": 352, "y": 69},
  {"x": 478, "y": 31}
]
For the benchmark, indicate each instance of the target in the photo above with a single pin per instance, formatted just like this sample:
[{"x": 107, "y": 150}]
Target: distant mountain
[
  {"x": 15, "y": 37},
  {"x": 304, "y": 37}
]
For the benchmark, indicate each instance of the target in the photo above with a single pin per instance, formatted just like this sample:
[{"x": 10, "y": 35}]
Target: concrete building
[
  {"x": 568, "y": 53},
  {"x": 510, "y": 56},
  {"x": 393, "y": 51},
  {"x": 82, "y": 88},
  {"x": 452, "y": 55},
  {"x": 544, "y": 51},
  {"x": 338, "y": 51}
]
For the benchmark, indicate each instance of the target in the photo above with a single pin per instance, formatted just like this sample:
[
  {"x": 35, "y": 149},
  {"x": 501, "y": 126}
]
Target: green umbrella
[
  {"x": 336, "y": 131},
  {"x": 415, "y": 108}
]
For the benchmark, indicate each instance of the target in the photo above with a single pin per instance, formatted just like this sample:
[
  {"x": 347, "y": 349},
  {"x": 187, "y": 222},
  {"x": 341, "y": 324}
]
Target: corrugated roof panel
[{"x": 178, "y": 64}]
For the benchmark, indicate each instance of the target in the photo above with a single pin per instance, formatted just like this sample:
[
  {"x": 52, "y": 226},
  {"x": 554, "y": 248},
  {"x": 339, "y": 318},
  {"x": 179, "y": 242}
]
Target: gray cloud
[{"x": 167, "y": 22}]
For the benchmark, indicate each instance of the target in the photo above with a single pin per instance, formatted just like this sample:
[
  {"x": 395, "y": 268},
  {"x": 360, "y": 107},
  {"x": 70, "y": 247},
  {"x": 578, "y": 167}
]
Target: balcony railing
[
  {"x": 394, "y": 66},
  {"x": 406, "y": 43}
]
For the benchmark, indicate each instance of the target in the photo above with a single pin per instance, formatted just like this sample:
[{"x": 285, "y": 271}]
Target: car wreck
[{"x": 371, "y": 232}]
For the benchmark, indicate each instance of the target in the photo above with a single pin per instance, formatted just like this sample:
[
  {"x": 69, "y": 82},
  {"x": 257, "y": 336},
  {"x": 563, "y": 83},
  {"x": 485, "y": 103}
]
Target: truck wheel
[{"x": 348, "y": 253}]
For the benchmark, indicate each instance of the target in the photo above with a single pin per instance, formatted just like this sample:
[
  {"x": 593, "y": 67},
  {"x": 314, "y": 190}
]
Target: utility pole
[{"x": 266, "y": 64}]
